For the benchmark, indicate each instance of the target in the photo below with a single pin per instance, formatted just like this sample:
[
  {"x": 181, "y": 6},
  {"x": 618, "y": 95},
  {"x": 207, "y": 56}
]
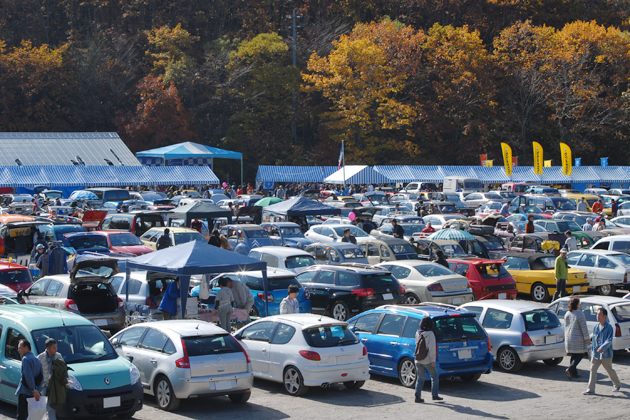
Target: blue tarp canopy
[
  {"x": 293, "y": 174},
  {"x": 199, "y": 210},
  {"x": 301, "y": 206},
  {"x": 189, "y": 150},
  {"x": 194, "y": 258}
]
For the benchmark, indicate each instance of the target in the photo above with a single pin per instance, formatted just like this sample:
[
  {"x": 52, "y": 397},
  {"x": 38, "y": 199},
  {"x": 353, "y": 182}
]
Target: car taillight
[
  {"x": 525, "y": 340},
  {"x": 310, "y": 355},
  {"x": 150, "y": 303},
  {"x": 363, "y": 292},
  {"x": 364, "y": 351},
  {"x": 617, "y": 331},
  {"x": 307, "y": 295},
  {"x": 120, "y": 303},
  {"x": 269, "y": 297},
  {"x": 71, "y": 305},
  {"x": 435, "y": 287},
  {"x": 489, "y": 344},
  {"x": 184, "y": 362},
  {"x": 402, "y": 289},
  {"x": 245, "y": 352}
]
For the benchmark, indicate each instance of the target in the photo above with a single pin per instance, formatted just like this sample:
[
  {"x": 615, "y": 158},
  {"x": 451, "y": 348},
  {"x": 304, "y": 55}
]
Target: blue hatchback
[{"x": 388, "y": 333}]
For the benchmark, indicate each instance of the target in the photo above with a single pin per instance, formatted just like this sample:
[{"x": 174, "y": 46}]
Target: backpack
[{"x": 422, "y": 350}]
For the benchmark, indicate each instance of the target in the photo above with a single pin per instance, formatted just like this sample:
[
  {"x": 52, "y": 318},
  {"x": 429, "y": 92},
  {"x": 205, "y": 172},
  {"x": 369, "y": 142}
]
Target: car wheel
[
  {"x": 254, "y": 312},
  {"x": 293, "y": 382},
  {"x": 540, "y": 292},
  {"x": 412, "y": 299},
  {"x": 470, "y": 378},
  {"x": 354, "y": 384},
  {"x": 607, "y": 290},
  {"x": 407, "y": 372},
  {"x": 340, "y": 311},
  {"x": 509, "y": 360},
  {"x": 553, "y": 362},
  {"x": 240, "y": 398},
  {"x": 164, "y": 394}
]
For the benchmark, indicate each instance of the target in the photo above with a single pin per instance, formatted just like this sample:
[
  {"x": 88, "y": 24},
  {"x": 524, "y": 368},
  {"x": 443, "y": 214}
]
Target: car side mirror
[
  {"x": 331, "y": 236},
  {"x": 115, "y": 342},
  {"x": 238, "y": 337},
  {"x": 351, "y": 328}
]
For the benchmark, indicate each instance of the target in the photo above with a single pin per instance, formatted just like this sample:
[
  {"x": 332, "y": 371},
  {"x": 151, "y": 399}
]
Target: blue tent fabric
[
  {"x": 357, "y": 174},
  {"x": 189, "y": 150},
  {"x": 301, "y": 206},
  {"x": 194, "y": 258},
  {"x": 293, "y": 174}
]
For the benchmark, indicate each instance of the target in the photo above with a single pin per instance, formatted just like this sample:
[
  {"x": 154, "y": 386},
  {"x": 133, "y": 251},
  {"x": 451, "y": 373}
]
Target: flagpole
[{"x": 344, "y": 164}]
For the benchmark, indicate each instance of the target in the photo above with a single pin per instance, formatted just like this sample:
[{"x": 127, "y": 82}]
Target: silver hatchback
[
  {"x": 186, "y": 359},
  {"x": 520, "y": 332}
]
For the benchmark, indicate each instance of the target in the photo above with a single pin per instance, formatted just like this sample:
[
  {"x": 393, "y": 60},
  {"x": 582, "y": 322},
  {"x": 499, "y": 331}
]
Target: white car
[
  {"x": 337, "y": 221},
  {"x": 285, "y": 257},
  {"x": 437, "y": 220},
  {"x": 606, "y": 270},
  {"x": 623, "y": 221},
  {"x": 334, "y": 233},
  {"x": 305, "y": 350},
  {"x": 426, "y": 281}
]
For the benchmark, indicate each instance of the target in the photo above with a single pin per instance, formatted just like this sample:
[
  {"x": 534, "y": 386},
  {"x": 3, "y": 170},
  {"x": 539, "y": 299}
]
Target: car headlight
[
  {"x": 73, "y": 383},
  {"x": 134, "y": 374},
  {"x": 299, "y": 244}
]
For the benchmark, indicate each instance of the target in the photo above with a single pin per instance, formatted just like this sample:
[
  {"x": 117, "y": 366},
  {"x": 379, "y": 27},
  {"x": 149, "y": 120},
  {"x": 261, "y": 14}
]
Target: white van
[
  {"x": 416, "y": 187},
  {"x": 619, "y": 243},
  {"x": 462, "y": 183}
]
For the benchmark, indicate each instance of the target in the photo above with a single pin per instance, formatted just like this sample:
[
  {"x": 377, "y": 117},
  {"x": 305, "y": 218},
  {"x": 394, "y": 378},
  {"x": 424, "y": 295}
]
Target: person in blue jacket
[
  {"x": 602, "y": 352},
  {"x": 168, "y": 306}
]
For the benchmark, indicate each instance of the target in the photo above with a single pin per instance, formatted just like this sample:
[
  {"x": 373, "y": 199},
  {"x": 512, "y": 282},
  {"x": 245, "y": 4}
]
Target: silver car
[
  {"x": 520, "y": 332},
  {"x": 146, "y": 291},
  {"x": 184, "y": 358}
]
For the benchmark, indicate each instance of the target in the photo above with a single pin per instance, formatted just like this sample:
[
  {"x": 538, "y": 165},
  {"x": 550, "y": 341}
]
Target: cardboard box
[{"x": 192, "y": 307}]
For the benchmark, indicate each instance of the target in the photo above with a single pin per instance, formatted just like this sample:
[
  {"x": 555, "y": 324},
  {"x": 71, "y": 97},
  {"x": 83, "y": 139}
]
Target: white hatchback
[
  {"x": 334, "y": 233},
  {"x": 305, "y": 350}
]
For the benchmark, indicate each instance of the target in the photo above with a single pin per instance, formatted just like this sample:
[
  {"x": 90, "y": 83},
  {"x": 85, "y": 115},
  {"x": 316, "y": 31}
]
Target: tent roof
[
  {"x": 195, "y": 258},
  {"x": 291, "y": 174},
  {"x": 190, "y": 149},
  {"x": 301, "y": 206},
  {"x": 356, "y": 174},
  {"x": 199, "y": 210}
]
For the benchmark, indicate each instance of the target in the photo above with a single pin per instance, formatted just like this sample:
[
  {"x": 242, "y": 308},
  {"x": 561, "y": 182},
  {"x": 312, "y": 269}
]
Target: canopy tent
[
  {"x": 267, "y": 175},
  {"x": 194, "y": 258},
  {"x": 199, "y": 210},
  {"x": 301, "y": 206},
  {"x": 356, "y": 174},
  {"x": 187, "y": 154}
]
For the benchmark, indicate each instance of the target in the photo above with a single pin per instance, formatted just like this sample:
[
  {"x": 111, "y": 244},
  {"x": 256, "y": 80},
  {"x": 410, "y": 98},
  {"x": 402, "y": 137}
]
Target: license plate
[
  {"x": 502, "y": 295},
  {"x": 342, "y": 360},
  {"x": 388, "y": 296},
  {"x": 100, "y": 322},
  {"x": 550, "y": 339},
  {"x": 457, "y": 301},
  {"x": 222, "y": 385},
  {"x": 464, "y": 354},
  {"x": 111, "y": 402},
  {"x": 576, "y": 289}
]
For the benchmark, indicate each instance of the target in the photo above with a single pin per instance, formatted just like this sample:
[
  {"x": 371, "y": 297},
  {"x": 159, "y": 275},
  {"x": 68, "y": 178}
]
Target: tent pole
[
  {"x": 242, "y": 180},
  {"x": 344, "y": 165},
  {"x": 266, "y": 287}
]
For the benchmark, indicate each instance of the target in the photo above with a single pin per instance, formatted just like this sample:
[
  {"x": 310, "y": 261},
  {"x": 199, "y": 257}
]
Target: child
[{"x": 290, "y": 304}]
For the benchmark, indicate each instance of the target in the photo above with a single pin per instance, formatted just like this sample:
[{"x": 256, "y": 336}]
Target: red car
[
  {"x": 124, "y": 242},
  {"x": 15, "y": 276},
  {"x": 488, "y": 279}
]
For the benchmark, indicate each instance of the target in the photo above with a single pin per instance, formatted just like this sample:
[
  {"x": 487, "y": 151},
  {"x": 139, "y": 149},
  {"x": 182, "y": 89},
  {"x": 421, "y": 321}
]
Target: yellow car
[
  {"x": 178, "y": 236},
  {"x": 575, "y": 197},
  {"x": 534, "y": 274}
]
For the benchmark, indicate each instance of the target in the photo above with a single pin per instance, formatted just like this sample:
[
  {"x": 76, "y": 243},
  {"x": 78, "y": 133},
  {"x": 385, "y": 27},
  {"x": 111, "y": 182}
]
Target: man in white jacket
[{"x": 427, "y": 363}]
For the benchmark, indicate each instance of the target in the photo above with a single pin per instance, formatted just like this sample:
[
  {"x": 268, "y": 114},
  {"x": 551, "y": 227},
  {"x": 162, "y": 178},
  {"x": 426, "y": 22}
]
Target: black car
[{"x": 342, "y": 292}]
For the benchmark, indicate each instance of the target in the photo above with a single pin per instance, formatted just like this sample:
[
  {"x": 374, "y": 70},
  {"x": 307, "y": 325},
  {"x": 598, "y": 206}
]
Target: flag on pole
[
  {"x": 506, "y": 151},
  {"x": 565, "y": 152},
  {"x": 538, "y": 158},
  {"x": 604, "y": 162},
  {"x": 483, "y": 159},
  {"x": 489, "y": 163},
  {"x": 548, "y": 164},
  {"x": 340, "y": 157},
  {"x": 578, "y": 161},
  {"x": 514, "y": 161}
]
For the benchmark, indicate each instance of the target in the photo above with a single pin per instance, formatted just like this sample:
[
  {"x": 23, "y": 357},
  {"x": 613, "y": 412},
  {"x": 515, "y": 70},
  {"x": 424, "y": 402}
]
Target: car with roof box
[
  {"x": 100, "y": 383},
  {"x": 283, "y": 257},
  {"x": 388, "y": 332},
  {"x": 337, "y": 253}
]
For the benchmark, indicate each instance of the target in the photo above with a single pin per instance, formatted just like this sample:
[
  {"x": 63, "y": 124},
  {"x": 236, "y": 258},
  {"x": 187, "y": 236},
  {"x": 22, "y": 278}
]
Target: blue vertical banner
[
  {"x": 604, "y": 162},
  {"x": 578, "y": 162}
]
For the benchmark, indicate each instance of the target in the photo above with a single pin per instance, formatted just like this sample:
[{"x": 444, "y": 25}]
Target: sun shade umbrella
[
  {"x": 451, "y": 234},
  {"x": 267, "y": 201},
  {"x": 86, "y": 195}
]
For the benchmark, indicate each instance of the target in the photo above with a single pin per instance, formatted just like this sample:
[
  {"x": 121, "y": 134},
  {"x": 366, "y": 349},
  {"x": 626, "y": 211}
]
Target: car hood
[
  {"x": 92, "y": 265},
  {"x": 132, "y": 249},
  {"x": 95, "y": 375}
]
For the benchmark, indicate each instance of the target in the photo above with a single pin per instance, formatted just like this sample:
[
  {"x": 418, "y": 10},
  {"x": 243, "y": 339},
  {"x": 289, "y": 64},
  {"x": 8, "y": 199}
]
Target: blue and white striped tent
[
  {"x": 294, "y": 174},
  {"x": 356, "y": 174}
]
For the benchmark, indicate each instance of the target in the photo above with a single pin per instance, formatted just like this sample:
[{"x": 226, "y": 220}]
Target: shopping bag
[
  {"x": 37, "y": 409},
  {"x": 204, "y": 292}
]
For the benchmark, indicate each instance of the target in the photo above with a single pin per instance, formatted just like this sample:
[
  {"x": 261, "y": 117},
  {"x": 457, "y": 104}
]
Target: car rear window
[
  {"x": 351, "y": 253},
  {"x": 124, "y": 239},
  {"x": 433, "y": 270},
  {"x": 540, "y": 319},
  {"x": 274, "y": 283},
  {"x": 622, "y": 313},
  {"x": 300, "y": 261},
  {"x": 88, "y": 242},
  {"x": 379, "y": 281},
  {"x": 491, "y": 271},
  {"x": 457, "y": 328},
  {"x": 15, "y": 276},
  {"x": 329, "y": 336},
  {"x": 209, "y": 345},
  {"x": 402, "y": 249},
  {"x": 182, "y": 238},
  {"x": 63, "y": 229}
]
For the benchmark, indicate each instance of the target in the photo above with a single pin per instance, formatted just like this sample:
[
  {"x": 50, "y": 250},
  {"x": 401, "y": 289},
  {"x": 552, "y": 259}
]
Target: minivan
[{"x": 461, "y": 183}]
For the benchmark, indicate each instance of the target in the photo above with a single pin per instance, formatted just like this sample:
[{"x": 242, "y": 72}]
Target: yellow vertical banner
[
  {"x": 538, "y": 158},
  {"x": 489, "y": 163},
  {"x": 565, "y": 152},
  {"x": 506, "y": 151}
]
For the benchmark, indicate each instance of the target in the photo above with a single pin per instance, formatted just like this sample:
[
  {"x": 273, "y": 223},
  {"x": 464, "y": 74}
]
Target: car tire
[
  {"x": 540, "y": 293},
  {"x": 254, "y": 312},
  {"x": 407, "y": 372},
  {"x": 470, "y": 378},
  {"x": 293, "y": 381},
  {"x": 340, "y": 311},
  {"x": 553, "y": 362},
  {"x": 412, "y": 299},
  {"x": 240, "y": 398},
  {"x": 607, "y": 290},
  {"x": 164, "y": 394},
  {"x": 354, "y": 384},
  {"x": 508, "y": 360}
]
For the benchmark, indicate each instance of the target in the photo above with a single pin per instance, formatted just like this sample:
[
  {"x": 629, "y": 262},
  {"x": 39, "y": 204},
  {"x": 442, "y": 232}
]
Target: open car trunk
[{"x": 94, "y": 298}]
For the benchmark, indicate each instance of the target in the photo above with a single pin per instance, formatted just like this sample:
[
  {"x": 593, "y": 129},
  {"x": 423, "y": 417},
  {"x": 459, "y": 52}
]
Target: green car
[
  {"x": 101, "y": 383},
  {"x": 585, "y": 240}
]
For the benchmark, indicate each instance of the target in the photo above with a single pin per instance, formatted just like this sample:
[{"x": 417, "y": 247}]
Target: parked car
[
  {"x": 100, "y": 383},
  {"x": 606, "y": 270},
  {"x": 559, "y": 225},
  {"x": 525, "y": 211},
  {"x": 287, "y": 234},
  {"x": 520, "y": 332},
  {"x": 124, "y": 242},
  {"x": 178, "y": 236},
  {"x": 334, "y": 233},
  {"x": 388, "y": 249},
  {"x": 618, "y": 315},
  {"x": 586, "y": 239},
  {"x": 85, "y": 291},
  {"x": 145, "y": 291},
  {"x": 304, "y": 350},
  {"x": 545, "y": 203},
  {"x": 437, "y": 220},
  {"x": 136, "y": 223},
  {"x": 387, "y": 230},
  {"x": 388, "y": 333},
  {"x": 82, "y": 242},
  {"x": 337, "y": 253},
  {"x": 535, "y": 275},
  {"x": 16, "y": 234},
  {"x": 429, "y": 282},
  {"x": 55, "y": 232},
  {"x": 244, "y": 238},
  {"x": 488, "y": 279},
  {"x": 619, "y": 243},
  {"x": 283, "y": 257},
  {"x": 181, "y": 359},
  {"x": 477, "y": 198},
  {"x": 15, "y": 276},
  {"x": 340, "y": 291},
  {"x": 574, "y": 198}
]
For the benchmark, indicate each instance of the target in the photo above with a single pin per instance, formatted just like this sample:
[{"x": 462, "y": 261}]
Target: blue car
[
  {"x": 244, "y": 238},
  {"x": 388, "y": 333},
  {"x": 290, "y": 234},
  {"x": 278, "y": 281},
  {"x": 87, "y": 242}
]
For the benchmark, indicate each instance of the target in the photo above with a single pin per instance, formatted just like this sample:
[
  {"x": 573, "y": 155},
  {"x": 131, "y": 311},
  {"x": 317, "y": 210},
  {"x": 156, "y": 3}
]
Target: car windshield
[
  {"x": 15, "y": 276},
  {"x": 380, "y": 281},
  {"x": 402, "y": 249},
  {"x": 452, "y": 216},
  {"x": 493, "y": 206},
  {"x": 540, "y": 319},
  {"x": 473, "y": 185},
  {"x": 492, "y": 271},
  {"x": 300, "y": 261},
  {"x": 291, "y": 231},
  {"x": 355, "y": 231},
  {"x": 256, "y": 233},
  {"x": 622, "y": 312},
  {"x": 622, "y": 258},
  {"x": 565, "y": 225},
  {"x": 124, "y": 239},
  {"x": 88, "y": 242},
  {"x": 447, "y": 209},
  {"x": 562, "y": 203},
  {"x": 184, "y": 237},
  {"x": 433, "y": 270},
  {"x": 494, "y": 244},
  {"x": 63, "y": 229},
  {"x": 351, "y": 253},
  {"x": 457, "y": 328},
  {"x": 521, "y": 227},
  {"x": 151, "y": 197},
  {"x": 329, "y": 336},
  {"x": 493, "y": 196},
  {"x": 76, "y": 343}
]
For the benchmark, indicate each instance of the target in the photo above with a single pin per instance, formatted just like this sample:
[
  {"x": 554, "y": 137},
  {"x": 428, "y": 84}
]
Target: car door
[
  {"x": 373, "y": 255},
  {"x": 149, "y": 354},
  {"x": 588, "y": 263},
  {"x": 35, "y": 293},
  {"x": 608, "y": 271},
  {"x": 255, "y": 339},
  {"x": 320, "y": 287},
  {"x": 363, "y": 328},
  {"x": 126, "y": 343},
  {"x": 52, "y": 295},
  {"x": 385, "y": 344},
  {"x": 279, "y": 348},
  {"x": 11, "y": 365}
]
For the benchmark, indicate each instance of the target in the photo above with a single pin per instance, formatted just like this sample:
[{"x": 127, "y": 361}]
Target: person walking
[
  {"x": 165, "y": 240},
  {"x": 399, "y": 231},
  {"x": 504, "y": 210},
  {"x": 576, "y": 337},
  {"x": 348, "y": 237},
  {"x": 588, "y": 226},
  {"x": 561, "y": 273},
  {"x": 223, "y": 304},
  {"x": 32, "y": 376},
  {"x": 46, "y": 358},
  {"x": 613, "y": 207},
  {"x": 290, "y": 304},
  {"x": 243, "y": 296},
  {"x": 581, "y": 205},
  {"x": 168, "y": 305},
  {"x": 426, "y": 337},
  {"x": 602, "y": 352},
  {"x": 570, "y": 243}
]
